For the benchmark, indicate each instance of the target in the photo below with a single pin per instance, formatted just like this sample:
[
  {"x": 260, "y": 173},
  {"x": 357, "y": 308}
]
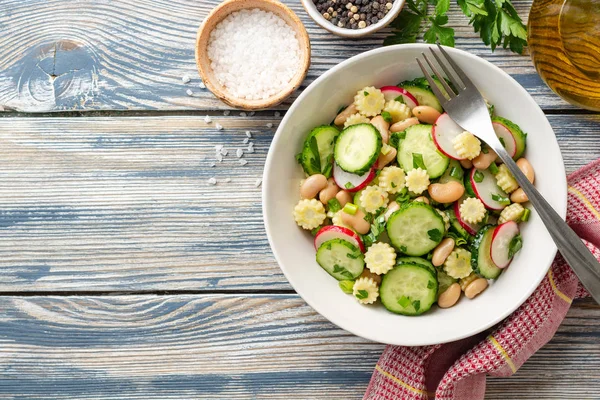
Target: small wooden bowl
[{"x": 203, "y": 62}]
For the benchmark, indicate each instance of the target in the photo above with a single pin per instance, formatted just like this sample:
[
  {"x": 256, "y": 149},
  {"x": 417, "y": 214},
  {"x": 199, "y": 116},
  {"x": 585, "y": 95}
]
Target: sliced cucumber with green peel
[
  {"x": 357, "y": 148},
  {"x": 417, "y": 150},
  {"x": 519, "y": 136},
  {"x": 317, "y": 153},
  {"x": 415, "y": 229},
  {"x": 456, "y": 227},
  {"x": 421, "y": 90},
  {"x": 408, "y": 289},
  {"x": 341, "y": 259},
  {"x": 481, "y": 259},
  {"x": 415, "y": 260}
]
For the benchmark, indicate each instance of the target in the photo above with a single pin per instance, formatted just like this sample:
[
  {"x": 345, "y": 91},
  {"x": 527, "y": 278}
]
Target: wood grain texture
[
  {"x": 97, "y": 204},
  {"x": 131, "y": 54},
  {"x": 233, "y": 347}
]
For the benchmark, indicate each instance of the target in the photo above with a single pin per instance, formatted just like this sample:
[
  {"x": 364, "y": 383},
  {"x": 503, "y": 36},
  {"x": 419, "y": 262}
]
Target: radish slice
[
  {"x": 444, "y": 132},
  {"x": 471, "y": 228},
  {"x": 506, "y": 138},
  {"x": 487, "y": 190},
  {"x": 331, "y": 232},
  {"x": 352, "y": 182},
  {"x": 501, "y": 240},
  {"x": 392, "y": 92}
]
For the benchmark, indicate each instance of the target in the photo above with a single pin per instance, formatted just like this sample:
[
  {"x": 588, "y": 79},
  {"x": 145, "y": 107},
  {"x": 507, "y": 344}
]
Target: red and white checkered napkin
[{"x": 457, "y": 370}]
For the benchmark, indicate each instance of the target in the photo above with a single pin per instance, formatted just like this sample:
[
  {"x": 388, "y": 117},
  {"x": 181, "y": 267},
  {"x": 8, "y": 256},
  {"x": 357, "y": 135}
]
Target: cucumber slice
[
  {"x": 456, "y": 227},
  {"x": 317, "y": 153},
  {"x": 454, "y": 172},
  {"x": 519, "y": 136},
  {"x": 468, "y": 187},
  {"x": 357, "y": 148},
  {"x": 415, "y": 229},
  {"x": 417, "y": 261},
  {"x": 481, "y": 261},
  {"x": 408, "y": 289},
  {"x": 418, "y": 141},
  {"x": 341, "y": 259},
  {"x": 424, "y": 96}
]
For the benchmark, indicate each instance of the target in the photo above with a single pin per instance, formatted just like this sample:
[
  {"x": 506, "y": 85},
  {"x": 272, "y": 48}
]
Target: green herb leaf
[
  {"x": 418, "y": 161},
  {"x": 349, "y": 185},
  {"x": 404, "y": 301},
  {"x": 416, "y": 305},
  {"x": 403, "y": 249},
  {"x": 442, "y": 6},
  {"x": 478, "y": 176},
  {"x": 400, "y": 99},
  {"x": 362, "y": 294},
  {"x": 316, "y": 158},
  {"x": 393, "y": 185},
  {"x": 334, "y": 205},
  {"x": 407, "y": 26},
  {"x": 500, "y": 199},
  {"x": 396, "y": 138},
  {"x": 430, "y": 285},
  {"x": 458, "y": 240},
  {"x": 439, "y": 33},
  {"x": 502, "y": 142},
  {"x": 494, "y": 168},
  {"x": 328, "y": 169},
  {"x": 315, "y": 231},
  {"x": 515, "y": 245},
  {"x": 435, "y": 235},
  {"x": 346, "y": 286},
  {"x": 377, "y": 227},
  {"x": 387, "y": 117},
  {"x": 365, "y": 93},
  {"x": 352, "y": 256}
]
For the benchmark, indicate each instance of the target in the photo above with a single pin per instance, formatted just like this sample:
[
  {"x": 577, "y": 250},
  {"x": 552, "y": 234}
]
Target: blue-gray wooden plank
[
  {"x": 233, "y": 347},
  {"x": 131, "y": 54},
  {"x": 99, "y": 204}
]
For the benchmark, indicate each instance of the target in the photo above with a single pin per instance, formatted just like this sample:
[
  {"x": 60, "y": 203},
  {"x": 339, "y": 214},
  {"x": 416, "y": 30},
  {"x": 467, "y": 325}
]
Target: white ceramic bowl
[
  {"x": 293, "y": 247},
  {"x": 312, "y": 11}
]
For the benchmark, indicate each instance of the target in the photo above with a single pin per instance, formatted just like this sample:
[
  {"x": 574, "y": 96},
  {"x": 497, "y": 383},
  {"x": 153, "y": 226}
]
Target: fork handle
[{"x": 577, "y": 255}]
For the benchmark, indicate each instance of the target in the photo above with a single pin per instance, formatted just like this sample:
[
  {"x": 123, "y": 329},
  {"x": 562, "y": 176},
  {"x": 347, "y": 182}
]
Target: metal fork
[{"x": 467, "y": 107}]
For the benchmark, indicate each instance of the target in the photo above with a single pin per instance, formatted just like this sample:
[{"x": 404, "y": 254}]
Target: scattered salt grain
[
  {"x": 258, "y": 183},
  {"x": 277, "y": 114},
  {"x": 246, "y": 140},
  {"x": 212, "y": 165},
  {"x": 219, "y": 127},
  {"x": 212, "y": 181},
  {"x": 202, "y": 85},
  {"x": 239, "y": 153},
  {"x": 219, "y": 157},
  {"x": 248, "y": 134},
  {"x": 242, "y": 114},
  {"x": 252, "y": 113},
  {"x": 243, "y": 162},
  {"x": 219, "y": 147},
  {"x": 254, "y": 53},
  {"x": 189, "y": 92},
  {"x": 224, "y": 151},
  {"x": 186, "y": 79},
  {"x": 227, "y": 180},
  {"x": 207, "y": 119},
  {"x": 269, "y": 125},
  {"x": 226, "y": 112}
]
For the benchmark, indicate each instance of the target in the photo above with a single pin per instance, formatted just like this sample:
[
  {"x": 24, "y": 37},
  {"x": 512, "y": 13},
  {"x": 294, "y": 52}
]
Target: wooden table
[{"x": 123, "y": 273}]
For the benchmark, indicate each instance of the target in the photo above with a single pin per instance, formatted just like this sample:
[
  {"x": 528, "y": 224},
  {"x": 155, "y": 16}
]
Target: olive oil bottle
[{"x": 564, "y": 41}]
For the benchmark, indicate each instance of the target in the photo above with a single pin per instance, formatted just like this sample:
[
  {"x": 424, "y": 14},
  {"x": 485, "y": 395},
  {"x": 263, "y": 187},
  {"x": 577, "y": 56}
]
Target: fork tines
[{"x": 453, "y": 72}]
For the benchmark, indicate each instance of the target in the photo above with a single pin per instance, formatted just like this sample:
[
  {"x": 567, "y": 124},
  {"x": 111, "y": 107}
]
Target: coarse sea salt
[{"x": 254, "y": 53}]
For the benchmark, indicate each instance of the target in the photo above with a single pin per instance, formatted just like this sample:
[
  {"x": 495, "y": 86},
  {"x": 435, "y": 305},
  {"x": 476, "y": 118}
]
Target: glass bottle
[{"x": 564, "y": 41}]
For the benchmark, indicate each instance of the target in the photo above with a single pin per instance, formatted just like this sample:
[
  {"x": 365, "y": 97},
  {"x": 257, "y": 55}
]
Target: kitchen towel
[{"x": 457, "y": 370}]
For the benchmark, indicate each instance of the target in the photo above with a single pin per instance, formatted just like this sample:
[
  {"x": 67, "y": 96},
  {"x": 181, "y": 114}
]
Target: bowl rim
[
  {"x": 312, "y": 11},
  {"x": 561, "y": 180},
  {"x": 217, "y": 90}
]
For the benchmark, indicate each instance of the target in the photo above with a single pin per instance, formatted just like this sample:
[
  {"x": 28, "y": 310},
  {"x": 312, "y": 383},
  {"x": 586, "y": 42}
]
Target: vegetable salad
[{"x": 405, "y": 206}]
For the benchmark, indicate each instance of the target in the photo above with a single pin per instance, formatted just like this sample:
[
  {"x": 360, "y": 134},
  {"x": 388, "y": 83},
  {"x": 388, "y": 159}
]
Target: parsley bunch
[{"x": 496, "y": 21}]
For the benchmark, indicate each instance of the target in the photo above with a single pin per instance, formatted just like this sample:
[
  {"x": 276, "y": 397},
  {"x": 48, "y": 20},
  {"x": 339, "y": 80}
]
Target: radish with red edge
[
  {"x": 486, "y": 189},
  {"x": 331, "y": 232},
  {"x": 444, "y": 132},
  {"x": 392, "y": 93},
  {"x": 506, "y": 241},
  {"x": 506, "y": 138},
  {"x": 471, "y": 228},
  {"x": 352, "y": 182}
]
